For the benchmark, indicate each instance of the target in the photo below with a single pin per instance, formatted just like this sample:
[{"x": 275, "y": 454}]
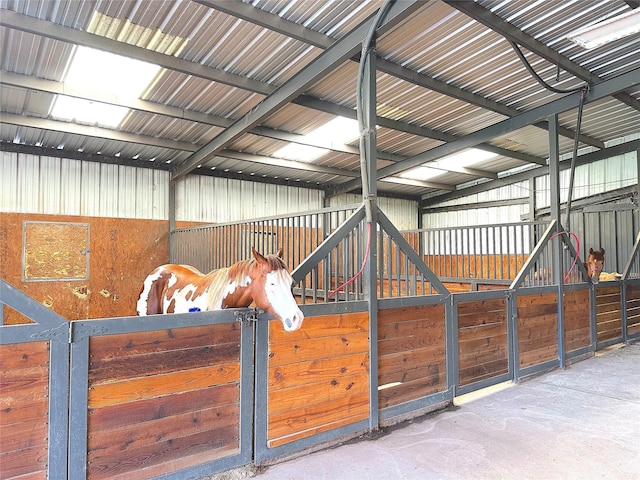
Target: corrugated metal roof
[{"x": 442, "y": 75}]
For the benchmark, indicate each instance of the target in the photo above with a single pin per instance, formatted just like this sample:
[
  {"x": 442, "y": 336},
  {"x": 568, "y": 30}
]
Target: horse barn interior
[{"x": 435, "y": 171}]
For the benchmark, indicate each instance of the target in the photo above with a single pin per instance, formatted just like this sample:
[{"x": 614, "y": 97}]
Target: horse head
[
  {"x": 271, "y": 289},
  {"x": 594, "y": 264}
]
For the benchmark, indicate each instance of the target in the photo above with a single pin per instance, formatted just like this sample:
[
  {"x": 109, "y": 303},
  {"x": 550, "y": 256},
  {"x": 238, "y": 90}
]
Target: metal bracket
[
  {"x": 78, "y": 333},
  {"x": 62, "y": 331},
  {"x": 248, "y": 317}
]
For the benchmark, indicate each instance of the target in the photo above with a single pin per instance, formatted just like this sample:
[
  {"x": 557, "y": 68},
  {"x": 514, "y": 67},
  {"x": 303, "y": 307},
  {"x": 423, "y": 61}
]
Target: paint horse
[
  {"x": 263, "y": 280},
  {"x": 595, "y": 264}
]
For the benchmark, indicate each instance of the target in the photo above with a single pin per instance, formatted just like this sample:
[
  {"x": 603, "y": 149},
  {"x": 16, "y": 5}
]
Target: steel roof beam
[
  {"x": 603, "y": 89},
  {"x": 309, "y": 36},
  {"x": 498, "y": 25},
  {"x": 58, "y": 88},
  {"x": 55, "y": 31},
  {"x": 69, "y": 35},
  {"x": 322, "y": 65},
  {"x": 327, "y": 107}
]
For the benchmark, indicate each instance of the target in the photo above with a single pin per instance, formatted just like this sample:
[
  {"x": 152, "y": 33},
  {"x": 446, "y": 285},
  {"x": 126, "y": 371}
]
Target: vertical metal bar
[
  {"x": 58, "y": 408},
  {"x": 172, "y": 219},
  {"x": 452, "y": 345},
  {"x": 247, "y": 385},
  {"x": 554, "y": 177},
  {"x": 78, "y": 408},
  {"x": 512, "y": 336}
]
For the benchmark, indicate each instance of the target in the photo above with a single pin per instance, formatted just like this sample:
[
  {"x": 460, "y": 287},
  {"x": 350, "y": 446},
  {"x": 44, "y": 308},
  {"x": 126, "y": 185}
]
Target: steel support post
[
  {"x": 556, "y": 245},
  {"x": 368, "y": 148}
]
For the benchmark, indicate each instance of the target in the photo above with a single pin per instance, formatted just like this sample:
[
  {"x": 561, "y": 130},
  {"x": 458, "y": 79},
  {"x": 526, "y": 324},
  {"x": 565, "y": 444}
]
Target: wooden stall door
[
  {"x": 412, "y": 353},
  {"x": 482, "y": 336},
  {"x": 24, "y": 410},
  {"x": 163, "y": 401},
  {"x": 537, "y": 328},
  {"x": 318, "y": 377}
]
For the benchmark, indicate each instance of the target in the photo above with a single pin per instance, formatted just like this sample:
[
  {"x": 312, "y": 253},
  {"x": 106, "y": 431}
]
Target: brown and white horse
[
  {"x": 595, "y": 264},
  {"x": 263, "y": 280}
]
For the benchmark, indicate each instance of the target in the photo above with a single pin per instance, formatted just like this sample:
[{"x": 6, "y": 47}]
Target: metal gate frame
[{"x": 84, "y": 330}]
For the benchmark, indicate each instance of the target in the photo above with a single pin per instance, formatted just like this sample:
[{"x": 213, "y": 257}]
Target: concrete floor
[{"x": 582, "y": 422}]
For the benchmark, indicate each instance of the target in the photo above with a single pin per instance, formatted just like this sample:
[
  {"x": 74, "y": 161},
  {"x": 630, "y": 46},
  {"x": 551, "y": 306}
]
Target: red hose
[
  {"x": 575, "y": 260},
  {"x": 364, "y": 262}
]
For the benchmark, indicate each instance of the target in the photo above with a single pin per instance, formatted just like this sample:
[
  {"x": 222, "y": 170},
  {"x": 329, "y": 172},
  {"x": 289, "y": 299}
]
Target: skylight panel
[
  {"x": 455, "y": 163},
  {"x": 103, "y": 74},
  {"x": 336, "y": 132}
]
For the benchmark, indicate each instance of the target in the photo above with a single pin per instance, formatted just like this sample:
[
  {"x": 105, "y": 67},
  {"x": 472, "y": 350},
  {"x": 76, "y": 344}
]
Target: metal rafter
[
  {"x": 603, "y": 89},
  {"x": 322, "y": 65},
  {"x": 510, "y": 32},
  {"x": 58, "y": 88}
]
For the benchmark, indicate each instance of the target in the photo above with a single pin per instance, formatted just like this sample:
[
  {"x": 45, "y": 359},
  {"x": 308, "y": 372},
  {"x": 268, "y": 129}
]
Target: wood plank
[
  {"x": 158, "y": 385},
  {"x": 391, "y": 316},
  {"x": 538, "y": 356},
  {"x": 131, "y": 437},
  {"x": 392, "y": 329},
  {"x": 300, "y": 350},
  {"x": 486, "y": 305},
  {"x": 26, "y": 461},
  {"x": 120, "y": 415},
  {"x": 412, "y": 390},
  {"x": 321, "y": 326},
  {"x": 157, "y": 363},
  {"x": 303, "y": 419},
  {"x": 282, "y": 440},
  {"x": 319, "y": 370},
  {"x": 24, "y": 382},
  {"x": 482, "y": 372},
  {"x": 19, "y": 436},
  {"x": 409, "y": 361},
  {"x": 428, "y": 373},
  {"x": 23, "y": 408},
  {"x": 17, "y": 356},
  {"x": 222, "y": 441},
  {"x": 411, "y": 342},
  {"x": 109, "y": 347},
  {"x": 323, "y": 392}
]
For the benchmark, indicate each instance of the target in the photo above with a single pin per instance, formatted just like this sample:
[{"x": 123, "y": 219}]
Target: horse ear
[
  {"x": 258, "y": 256},
  {"x": 280, "y": 252},
  {"x": 602, "y": 250},
  {"x": 591, "y": 251}
]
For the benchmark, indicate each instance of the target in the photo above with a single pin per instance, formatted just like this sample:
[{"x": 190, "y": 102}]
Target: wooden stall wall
[
  {"x": 537, "y": 328},
  {"x": 24, "y": 410},
  {"x": 577, "y": 323},
  {"x": 411, "y": 353},
  {"x": 120, "y": 252},
  {"x": 318, "y": 376},
  {"x": 482, "y": 339},
  {"x": 162, "y": 401},
  {"x": 633, "y": 309},
  {"x": 608, "y": 313}
]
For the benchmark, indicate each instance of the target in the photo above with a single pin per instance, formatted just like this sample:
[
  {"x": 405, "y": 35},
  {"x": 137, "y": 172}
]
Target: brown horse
[
  {"x": 595, "y": 264},
  {"x": 263, "y": 280}
]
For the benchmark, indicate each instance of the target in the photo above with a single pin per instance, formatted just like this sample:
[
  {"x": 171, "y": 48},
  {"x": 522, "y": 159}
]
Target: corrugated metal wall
[
  {"x": 57, "y": 186},
  {"x": 221, "y": 200}
]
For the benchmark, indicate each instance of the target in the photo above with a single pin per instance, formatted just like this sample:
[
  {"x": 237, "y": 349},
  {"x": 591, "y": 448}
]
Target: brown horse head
[
  {"x": 270, "y": 289},
  {"x": 594, "y": 264}
]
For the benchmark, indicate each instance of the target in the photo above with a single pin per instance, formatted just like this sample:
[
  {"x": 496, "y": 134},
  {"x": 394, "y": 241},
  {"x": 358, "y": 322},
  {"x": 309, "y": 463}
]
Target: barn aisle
[{"x": 577, "y": 423}]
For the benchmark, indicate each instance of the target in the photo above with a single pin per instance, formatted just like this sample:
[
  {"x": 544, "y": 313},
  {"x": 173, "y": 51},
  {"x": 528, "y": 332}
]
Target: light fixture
[{"x": 607, "y": 31}]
